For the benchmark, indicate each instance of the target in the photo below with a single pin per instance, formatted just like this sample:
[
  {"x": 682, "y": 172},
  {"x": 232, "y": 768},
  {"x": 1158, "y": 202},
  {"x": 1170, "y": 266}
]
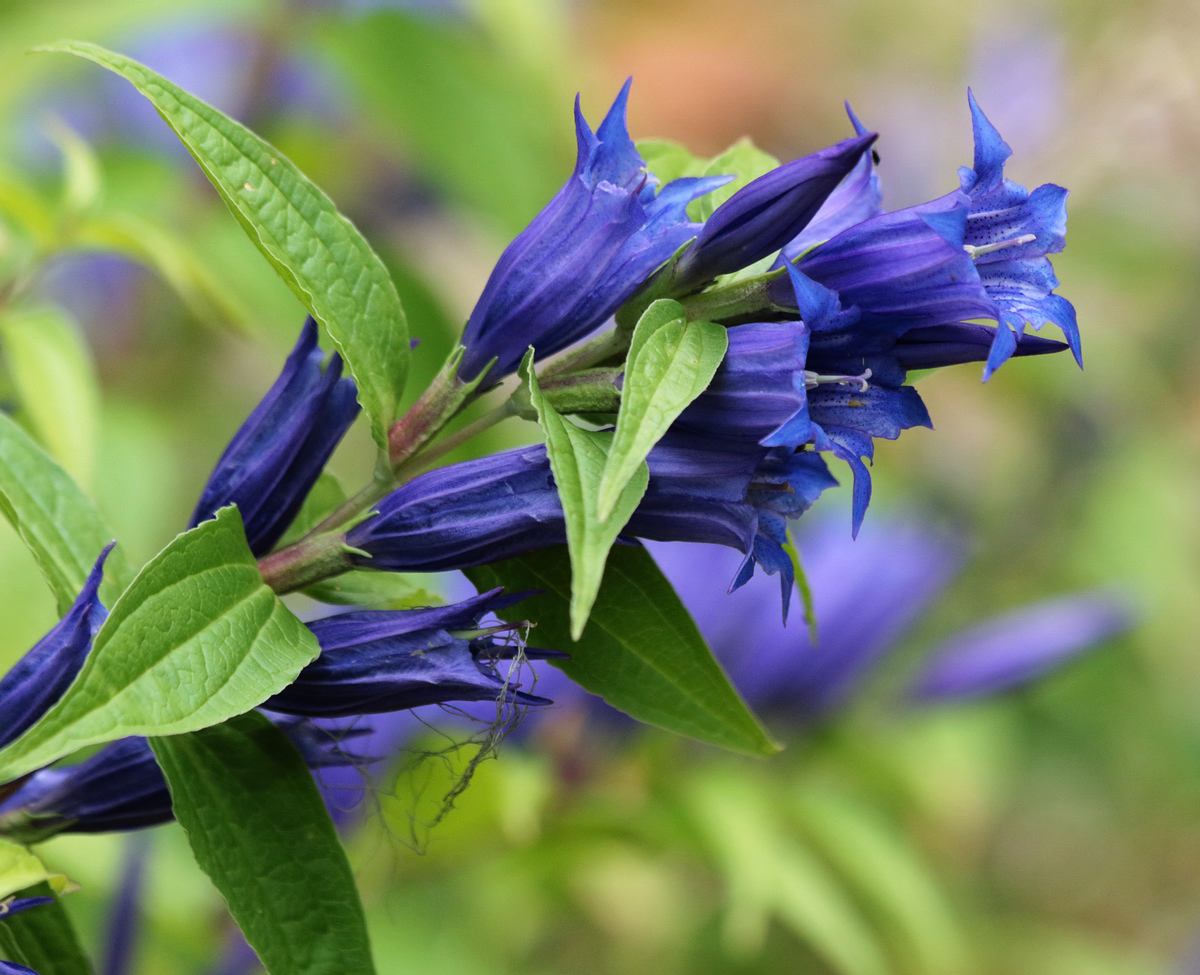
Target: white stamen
[
  {"x": 1000, "y": 245},
  {"x": 812, "y": 379}
]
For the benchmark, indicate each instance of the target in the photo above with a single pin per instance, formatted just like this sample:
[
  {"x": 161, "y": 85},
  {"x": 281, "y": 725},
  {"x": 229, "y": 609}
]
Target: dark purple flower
[
  {"x": 701, "y": 490},
  {"x": 12, "y": 968},
  {"x": 391, "y": 660},
  {"x": 1013, "y": 649},
  {"x": 274, "y": 459},
  {"x": 767, "y": 213},
  {"x": 759, "y": 392},
  {"x": 465, "y": 514},
  {"x": 40, "y": 677},
  {"x": 604, "y": 233},
  {"x": 950, "y": 345},
  {"x": 121, "y": 786}
]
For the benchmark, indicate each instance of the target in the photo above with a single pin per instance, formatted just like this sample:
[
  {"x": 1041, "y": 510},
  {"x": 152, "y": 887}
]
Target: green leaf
[
  {"x": 768, "y": 873},
  {"x": 802, "y": 585},
  {"x": 888, "y": 875},
  {"x": 315, "y": 250},
  {"x": 19, "y": 869},
  {"x": 43, "y": 938},
  {"x": 578, "y": 458},
  {"x": 81, "y": 170},
  {"x": 669, "y": 160},
  {"x": 259, "y": 829},
  {"x": 669, "y": 365},
  {"x": 51, "y": 368},
  {"x": 641, "y": 651},
  {"x": 197, "y": 638},
  {"x": 59, "y": 524}
]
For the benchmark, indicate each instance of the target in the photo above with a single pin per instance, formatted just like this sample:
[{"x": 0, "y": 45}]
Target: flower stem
[{"x": 309, "y": 560}]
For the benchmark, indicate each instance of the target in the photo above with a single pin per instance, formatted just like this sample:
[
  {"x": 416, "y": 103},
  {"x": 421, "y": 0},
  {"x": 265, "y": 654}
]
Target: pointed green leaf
[
  {"x": 259, "y": 829},
  {"x": 577, "y": 458},
  {"x": 81, "y": 181},
  {"x": 885, "y": 871},
  {"x": 668, "y": 367},
  {"x": 59, "y": 524},
  {"x": 768, "y": 872},
  {"x": 197, "y": 638},
  {"x": 19, "y": 868},
  {"x": 314, "y": 248},
  {"x": 43, "y": 938},
  {"x": 51, "y": 368},
  {"x": 641, "y": 651}
]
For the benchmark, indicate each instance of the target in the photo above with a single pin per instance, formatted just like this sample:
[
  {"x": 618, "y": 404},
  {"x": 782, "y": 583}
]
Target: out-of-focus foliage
[{"x": 1050, "y": 831}]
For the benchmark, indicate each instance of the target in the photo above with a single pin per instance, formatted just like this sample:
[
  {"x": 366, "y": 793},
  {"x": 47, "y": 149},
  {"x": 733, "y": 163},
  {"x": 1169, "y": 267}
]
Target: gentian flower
[
  {"x": 867, "y": 595},
  {"x": 377, "y": 661},
  {"x": 274, "y": 459},
  {"x": 121, "y": 787},
  {"x": 1012, "y": 649},
  {"x": 700, "y": 489},
  {"x": 767, "y": 213},
  {"x": 1009, "y": 232},
  {"x": 40, "y": 677},
  {"x": 604, "y": 233}
]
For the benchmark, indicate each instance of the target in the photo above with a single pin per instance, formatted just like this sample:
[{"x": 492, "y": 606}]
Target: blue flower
[
  {"x": 40, "y": 677},
  {"x": 868, "y": 594},
  {"x": 378, "y": 661},
  {"x": 465, "y": 514},
  {"x": 274, "y": 459},
  {"x": 759, "y": 392},
  {"x": 897, "y": 271},
  {"x": 1010, "y": 232},
  {"x": 701, "y": 489},
  {"x": 121, "y": 787},
  {"x": 767, "y": 213},
  {"x": 1010, "y": 650},
  {"x": 595, "y": 243}
]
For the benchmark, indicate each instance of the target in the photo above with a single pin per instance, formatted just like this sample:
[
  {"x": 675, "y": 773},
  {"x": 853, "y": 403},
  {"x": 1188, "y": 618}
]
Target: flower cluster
[{"x": 819, "y": 347}]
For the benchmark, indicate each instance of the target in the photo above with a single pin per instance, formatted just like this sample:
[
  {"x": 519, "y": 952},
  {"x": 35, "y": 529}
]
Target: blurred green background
[{"x": 1056, "y": 830}]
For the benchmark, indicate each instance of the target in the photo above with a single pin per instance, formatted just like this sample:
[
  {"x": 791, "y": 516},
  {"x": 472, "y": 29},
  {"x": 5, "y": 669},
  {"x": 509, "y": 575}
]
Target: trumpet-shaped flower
[
  {"x": 274, "y": 459},
  {"x": 595, "y": 243},
  {"x": 1009, "y": 234},
  {"x": 390, "y": 660}
]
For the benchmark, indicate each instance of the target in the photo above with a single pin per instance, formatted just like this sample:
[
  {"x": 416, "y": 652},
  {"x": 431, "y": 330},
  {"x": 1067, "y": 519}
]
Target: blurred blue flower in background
[{"x": 867, "y": 594}]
